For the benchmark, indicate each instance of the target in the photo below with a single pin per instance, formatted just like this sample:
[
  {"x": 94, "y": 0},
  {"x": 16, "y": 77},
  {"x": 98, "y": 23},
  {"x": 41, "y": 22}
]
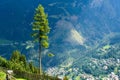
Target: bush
[{"x": 3, "y": 62}]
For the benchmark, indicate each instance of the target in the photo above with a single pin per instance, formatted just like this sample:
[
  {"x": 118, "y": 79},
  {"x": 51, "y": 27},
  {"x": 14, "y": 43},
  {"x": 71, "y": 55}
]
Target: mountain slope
[{"x": 81, "y": 31}]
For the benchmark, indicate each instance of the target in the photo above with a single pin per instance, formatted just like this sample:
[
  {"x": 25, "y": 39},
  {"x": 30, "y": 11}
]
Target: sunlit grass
[
  {"x": 20, "y": 79},
  {"x": 2, "y": 75}
]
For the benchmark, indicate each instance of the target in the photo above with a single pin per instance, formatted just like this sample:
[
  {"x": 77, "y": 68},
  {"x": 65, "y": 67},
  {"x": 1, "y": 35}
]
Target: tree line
[{"x": 18, "y": 62}]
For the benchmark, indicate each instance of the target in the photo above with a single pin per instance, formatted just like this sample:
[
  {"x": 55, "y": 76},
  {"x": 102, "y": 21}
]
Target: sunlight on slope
[
  {"x": 76, "y": 37},
  {"x": 106, "y": 47}
]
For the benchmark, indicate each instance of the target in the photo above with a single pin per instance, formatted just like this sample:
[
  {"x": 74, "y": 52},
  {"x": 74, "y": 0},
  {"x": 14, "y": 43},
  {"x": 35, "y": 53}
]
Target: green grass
[
  {"x": 20, "y": 79},
  {"x": 2, "y": 75}
]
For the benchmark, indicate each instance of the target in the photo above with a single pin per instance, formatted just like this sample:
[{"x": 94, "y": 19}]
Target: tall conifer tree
[{"x": 41, "y": 30}]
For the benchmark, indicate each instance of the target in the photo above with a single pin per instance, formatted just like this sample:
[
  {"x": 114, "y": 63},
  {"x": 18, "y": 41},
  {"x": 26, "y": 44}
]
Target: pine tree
[
  {"x": 15, "y": 56},
  {"x": 40, "y": 29},
  {"x": 31, "y": 67},
  {"x": 23, "y": 60}
]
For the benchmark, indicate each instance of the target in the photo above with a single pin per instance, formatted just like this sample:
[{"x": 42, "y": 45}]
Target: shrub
[{"x": 3, "y": 62}]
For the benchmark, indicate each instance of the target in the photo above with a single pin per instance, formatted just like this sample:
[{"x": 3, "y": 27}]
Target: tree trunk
[{"x": 40, "y": 58}]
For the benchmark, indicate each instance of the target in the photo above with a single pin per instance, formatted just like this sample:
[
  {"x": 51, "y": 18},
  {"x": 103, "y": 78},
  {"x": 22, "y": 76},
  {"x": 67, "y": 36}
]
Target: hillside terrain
[{"x": 84, "y": 37}]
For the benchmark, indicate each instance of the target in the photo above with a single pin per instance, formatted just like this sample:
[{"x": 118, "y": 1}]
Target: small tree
[
  {"x": 3, "y": 62},
  {"x": 23, "y": 59},
  {"x": 40, "y": 29},
  {"x": 15, "y": 56},
  {"x": 31, "y": 67}
]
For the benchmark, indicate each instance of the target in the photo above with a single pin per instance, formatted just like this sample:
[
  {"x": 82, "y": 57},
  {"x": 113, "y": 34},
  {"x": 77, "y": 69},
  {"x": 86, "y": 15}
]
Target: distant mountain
[
  {"x": 16, "y": 18},
  {"x": 93, "y": 20},
  {"x": 81, "y": 30}
]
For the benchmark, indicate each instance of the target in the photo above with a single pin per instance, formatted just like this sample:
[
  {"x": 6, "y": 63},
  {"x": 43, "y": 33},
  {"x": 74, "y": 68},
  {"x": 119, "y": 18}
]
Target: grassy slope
[
  {"x": 2, "y": 75},
  {"x": 20, "y": 79}
]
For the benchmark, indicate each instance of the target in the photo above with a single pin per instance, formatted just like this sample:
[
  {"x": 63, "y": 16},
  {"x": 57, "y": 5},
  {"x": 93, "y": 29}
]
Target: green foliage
[
  {"x": 40, "y": 27},
  {"x": 23, "y": 60},
  {"x": 18, "y": 62},
  {"x": 45, "y": 44},
  {"x": 2, "y": 75},
  {"x": 15, "y": 56},
  {"x": 10, "y": 65},
  {"x": 51, "y": 55},
  {"x": 3, "y": 62},
  {"x": 31, "y": 66},
  {"x": 30, "y": 72},
  {"x": 21, "y": 79}
]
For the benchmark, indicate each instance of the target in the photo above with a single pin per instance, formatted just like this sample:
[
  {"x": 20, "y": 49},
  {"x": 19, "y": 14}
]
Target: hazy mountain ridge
[{"x": 81, "y": 32}]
